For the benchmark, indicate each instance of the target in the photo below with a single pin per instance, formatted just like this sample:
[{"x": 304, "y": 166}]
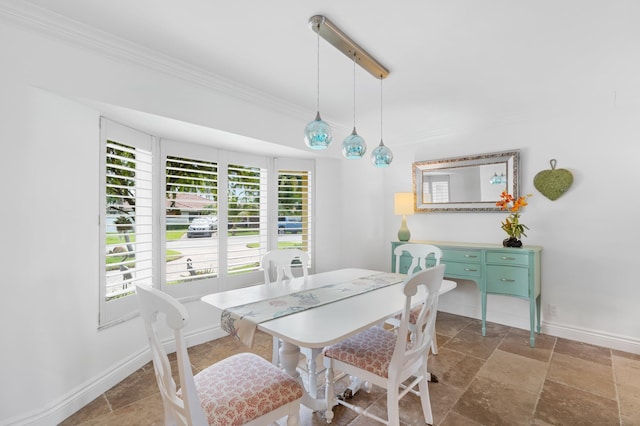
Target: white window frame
[{"x": 115, "y": 311}]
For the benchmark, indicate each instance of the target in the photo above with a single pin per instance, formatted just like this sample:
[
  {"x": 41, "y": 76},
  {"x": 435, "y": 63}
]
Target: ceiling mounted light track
[{"x": 330, "y": 32}]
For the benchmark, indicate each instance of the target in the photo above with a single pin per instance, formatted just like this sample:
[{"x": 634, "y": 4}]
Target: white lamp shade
[{"x": 403, "y": 203}]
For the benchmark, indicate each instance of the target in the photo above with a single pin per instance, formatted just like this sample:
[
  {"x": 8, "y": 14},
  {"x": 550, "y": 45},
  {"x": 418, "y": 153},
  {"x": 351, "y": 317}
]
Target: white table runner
[{"x": 242, "y": 321}]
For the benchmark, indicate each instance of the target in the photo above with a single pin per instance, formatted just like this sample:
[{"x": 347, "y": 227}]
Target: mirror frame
[{"x": 510, "y": 158}]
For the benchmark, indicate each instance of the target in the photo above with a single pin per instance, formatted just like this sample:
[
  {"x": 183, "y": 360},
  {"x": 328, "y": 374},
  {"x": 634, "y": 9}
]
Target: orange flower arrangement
[{"x": 512, "y": 225}]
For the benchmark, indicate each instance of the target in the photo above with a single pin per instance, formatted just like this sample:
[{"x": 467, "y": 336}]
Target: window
[
  {"x": 247, "y": 212},
  {"x": 294, "y": 209},
  {"x": 126, "y": 218},
  {"x": 192, "y": 219}
]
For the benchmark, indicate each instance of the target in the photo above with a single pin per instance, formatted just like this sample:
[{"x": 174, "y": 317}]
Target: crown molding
[{"x": 84, "y": 36}]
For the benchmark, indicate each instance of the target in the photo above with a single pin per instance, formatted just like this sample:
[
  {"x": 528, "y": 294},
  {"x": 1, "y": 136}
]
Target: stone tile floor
[{"x": 492, "y": 380}]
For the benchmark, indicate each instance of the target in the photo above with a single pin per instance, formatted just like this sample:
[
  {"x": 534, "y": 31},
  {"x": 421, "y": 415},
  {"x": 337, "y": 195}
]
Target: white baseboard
[
  {"x": 82, "y": 395},
  {"x": 594, "y": 337}
]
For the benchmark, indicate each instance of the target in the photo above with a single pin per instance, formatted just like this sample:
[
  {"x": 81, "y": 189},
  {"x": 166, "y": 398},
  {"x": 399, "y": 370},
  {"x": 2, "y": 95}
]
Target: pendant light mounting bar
[{"x": 330, "y": 32}]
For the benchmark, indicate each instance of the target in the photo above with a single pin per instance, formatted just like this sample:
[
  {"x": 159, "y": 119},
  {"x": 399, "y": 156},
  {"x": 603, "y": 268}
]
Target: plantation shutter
[
  {"x": 294, "y": 209},
  {"x": 247, "y": 218},
  {"x": 126, "y": 219},
  {"x": 191, "y": 219},
  {"x": 190, "y": 241}
]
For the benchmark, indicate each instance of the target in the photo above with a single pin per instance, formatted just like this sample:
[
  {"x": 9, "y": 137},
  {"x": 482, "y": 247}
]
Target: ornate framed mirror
[{"x": 465, "y": 184}]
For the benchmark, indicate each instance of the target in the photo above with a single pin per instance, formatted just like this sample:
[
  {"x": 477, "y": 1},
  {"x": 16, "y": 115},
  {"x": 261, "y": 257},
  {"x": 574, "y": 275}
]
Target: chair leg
[
  {"x": 393, "y": 406},
  {"x": 293, "y": 419},
  {"x": 434, "y": 344},
  {"x": 275, "y": 354},
  {"x": 434, "y": 350},
  {"x": 425, "y": 400}
]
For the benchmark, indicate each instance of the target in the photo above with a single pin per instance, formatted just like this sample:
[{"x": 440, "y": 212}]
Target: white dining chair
[
  {"x": 243, "y": 389},
  {"x": 385, "y": 358},
  {"x": 278, "y": 263},
  {"x": 419, "y": 254}
]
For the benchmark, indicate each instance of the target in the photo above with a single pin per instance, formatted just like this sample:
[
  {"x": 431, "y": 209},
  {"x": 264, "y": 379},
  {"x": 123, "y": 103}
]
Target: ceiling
[{"x": 454, "y": 65}]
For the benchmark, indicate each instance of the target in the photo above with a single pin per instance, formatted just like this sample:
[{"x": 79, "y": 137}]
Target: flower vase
[{"x": 511, "y": 242}]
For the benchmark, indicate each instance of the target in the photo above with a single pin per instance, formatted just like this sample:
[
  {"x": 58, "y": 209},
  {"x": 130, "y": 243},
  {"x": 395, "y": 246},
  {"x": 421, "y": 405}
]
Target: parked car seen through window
[
  {"x": 291, "y": 224},
  {"x": 201, "y": 227}
]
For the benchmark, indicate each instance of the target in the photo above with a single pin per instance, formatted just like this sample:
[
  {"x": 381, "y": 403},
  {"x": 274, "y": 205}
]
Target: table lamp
[{"x": 403, "y": 205}]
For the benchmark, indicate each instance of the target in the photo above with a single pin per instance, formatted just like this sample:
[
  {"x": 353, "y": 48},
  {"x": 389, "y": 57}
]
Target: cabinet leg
[
  {"x": 483, "y": 297},
  {"x": 538, "y": 306},
  {"x": 532, "y": 321}
]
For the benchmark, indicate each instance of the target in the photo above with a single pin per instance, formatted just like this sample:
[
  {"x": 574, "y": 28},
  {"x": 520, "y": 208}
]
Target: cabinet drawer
[
  {"x": 508, "y": 258},
  {"x": 462, "y": 270},
  {"x": 508, "y": 280},
  {"x": 462, "y": 256}
]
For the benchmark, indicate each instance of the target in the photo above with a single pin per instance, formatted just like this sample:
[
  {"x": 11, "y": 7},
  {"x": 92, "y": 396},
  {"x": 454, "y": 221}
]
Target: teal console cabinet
[{"x": 495, "y": 269}]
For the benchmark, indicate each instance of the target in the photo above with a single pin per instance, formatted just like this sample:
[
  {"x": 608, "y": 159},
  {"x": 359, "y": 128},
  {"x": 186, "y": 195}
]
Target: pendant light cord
[
  {"x": 318, "y": 68},
  {"x": 380, "y": 109},
  {"x": 354, "y": 90}
]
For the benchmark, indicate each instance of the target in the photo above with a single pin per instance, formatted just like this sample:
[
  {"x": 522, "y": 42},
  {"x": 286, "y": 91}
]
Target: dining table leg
[{"x": 289, "y": 358}]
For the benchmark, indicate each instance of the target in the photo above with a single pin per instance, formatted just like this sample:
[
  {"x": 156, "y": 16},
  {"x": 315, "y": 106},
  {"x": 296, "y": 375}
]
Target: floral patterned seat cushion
[
  {"x": 370, "y": 350},
  {"x": 243, "y": 387}
]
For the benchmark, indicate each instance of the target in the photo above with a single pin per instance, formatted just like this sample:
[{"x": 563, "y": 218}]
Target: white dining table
[{"x": 323, "y": 325}]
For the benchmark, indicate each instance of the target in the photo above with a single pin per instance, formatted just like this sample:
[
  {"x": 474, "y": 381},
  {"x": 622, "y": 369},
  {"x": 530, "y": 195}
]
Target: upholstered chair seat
[
  {"x": 370, "y": 350},
  {"x": 241, "y": 388}
]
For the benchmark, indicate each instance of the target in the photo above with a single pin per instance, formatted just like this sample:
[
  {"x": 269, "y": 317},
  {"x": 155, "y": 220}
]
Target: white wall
[
  {"x": 588, "y": 261},
  {"x": 54, "y": 358}
]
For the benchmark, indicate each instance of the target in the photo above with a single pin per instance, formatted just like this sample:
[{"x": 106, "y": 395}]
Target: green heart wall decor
[{"x": 553, "y": 183}]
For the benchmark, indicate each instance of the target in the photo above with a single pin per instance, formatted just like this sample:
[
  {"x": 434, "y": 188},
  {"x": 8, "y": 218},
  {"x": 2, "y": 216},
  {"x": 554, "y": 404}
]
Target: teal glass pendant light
[
  {"x": 317, "y": 134},
  {"x": 381, "y": 156},
  {"x": 354, "y": 146}
]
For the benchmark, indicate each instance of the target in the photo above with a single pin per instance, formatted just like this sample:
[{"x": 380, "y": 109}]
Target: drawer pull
[
  {"x": 470, "y": 270},
  {"x": 507, "y": 280},
  {"x": 507, "y": 258},
  {"x": 471, "y": 255}
]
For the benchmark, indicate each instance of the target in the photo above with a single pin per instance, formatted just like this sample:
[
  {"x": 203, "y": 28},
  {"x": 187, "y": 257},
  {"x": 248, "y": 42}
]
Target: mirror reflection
[{"x": 471, "y": 183}]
